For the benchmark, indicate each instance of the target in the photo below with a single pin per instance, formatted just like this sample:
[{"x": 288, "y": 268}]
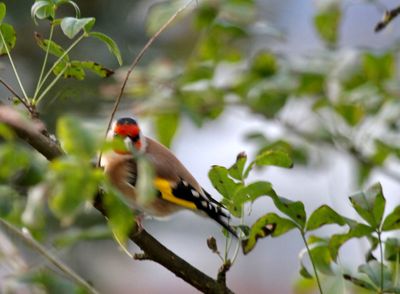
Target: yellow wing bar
[{"x": 164, "y": 186}]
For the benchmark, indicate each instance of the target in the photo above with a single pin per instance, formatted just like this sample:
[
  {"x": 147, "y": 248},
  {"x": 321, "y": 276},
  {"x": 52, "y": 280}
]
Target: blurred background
[{"x": 227, "y": 77}]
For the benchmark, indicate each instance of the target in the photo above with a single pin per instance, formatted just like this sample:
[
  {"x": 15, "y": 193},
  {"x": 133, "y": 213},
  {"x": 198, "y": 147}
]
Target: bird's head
[{"x": 128, "y": 130}]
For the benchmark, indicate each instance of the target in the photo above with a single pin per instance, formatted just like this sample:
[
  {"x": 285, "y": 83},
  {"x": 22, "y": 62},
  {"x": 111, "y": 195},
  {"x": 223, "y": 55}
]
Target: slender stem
[
  {"x": 312, "y": 262},
  {"x": 44, "y": 61},
  {"x": 13, "y": 67},
  {"x": 50, "y": 257},
  {"x": 381, "y": 253},
  {"x": 396, "y": 270},
  {"x": 135, "y": 62},
  {"x": 36, "y": 100},
  {"x": 50, "y": 86},
  {"x": 12, "y": 91}
]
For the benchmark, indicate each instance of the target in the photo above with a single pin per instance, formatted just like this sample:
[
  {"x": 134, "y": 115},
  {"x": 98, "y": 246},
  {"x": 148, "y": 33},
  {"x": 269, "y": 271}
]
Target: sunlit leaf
[
  {"x": 9, "y": 36},
  {"x": 378, "y": 68},
  {"x": 71, "y": 26},
  {"x": 111, "y": 45},
  {"x": 352, "y": 113},
  {"x": 324, "y": 215},
  {"x": 270, "y": 224}
]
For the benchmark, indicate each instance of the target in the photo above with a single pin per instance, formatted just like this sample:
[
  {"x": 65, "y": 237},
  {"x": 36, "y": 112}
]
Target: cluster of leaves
[
  {"x": 63, "y": 66},
  {"x": 378, "y": 274},
  {"x": 49, "y": 198}
]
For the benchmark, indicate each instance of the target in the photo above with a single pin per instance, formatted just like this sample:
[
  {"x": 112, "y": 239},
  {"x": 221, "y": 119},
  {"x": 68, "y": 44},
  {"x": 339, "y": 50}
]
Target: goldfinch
[{"x": 176, "y": 188}]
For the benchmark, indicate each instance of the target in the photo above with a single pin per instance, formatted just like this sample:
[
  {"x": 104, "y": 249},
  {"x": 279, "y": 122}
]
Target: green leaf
[
  {"x": 324, "y": 215},
  {"x": 72, "y": 69},
  {"x": 6, "y": 132},
  {"x": 373, "y": 270},
  {"x": 42, "y": 10},
  {"x": 72, "y": 183},
  {"x": 94, "y": 67},
  {"x": 370, "y": 205},
  {"x": 166, "y": 126},
  {"x": 120, "y": 216},
  {"x": 71, "y": 26},
  {"x": 304, "y": 272},
  {"x": 392, "y": 250},
  {"x": 111, "y": 45},
  {"x": 75, "y": 139},
  {"x": 270, "y": 224},
  {"x": 357, "y": 230},
  {"x": 378, "y": 68},
  {"x": 352, "y": 113},
  {"x": 236, "y": 170},
  {"x": 274, "y": 157},
  {"x": 52, "y": 46},
  {"x": 9, "y": 36},
  {"x": 293, "y": 209},
  {"x": 311, "y": 84},
  {"x": 327, "y": 22},
  {"x": 13, "y": 160},
  {"x": 319, "y": 250},
  {"x": 11, "y": 206},
  {"x": 222, "y": 182},
  {"x": 264, "y": 64},
  {"x": 359, "y": 282},
  {"x": 3, "y": 10},
  {"x": 392, "y": 220}
]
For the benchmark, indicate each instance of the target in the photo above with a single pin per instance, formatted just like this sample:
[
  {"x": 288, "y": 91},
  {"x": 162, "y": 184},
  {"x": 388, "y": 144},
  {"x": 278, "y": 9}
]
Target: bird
[{"x": 176, "y": 188}]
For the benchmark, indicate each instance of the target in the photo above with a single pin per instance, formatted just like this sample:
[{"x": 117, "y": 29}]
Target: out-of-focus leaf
[
  {"x": 3, "y": 10},
  {"x": 52, "y": 46},
  {"x": 269, "y": 224},
  {"x": 74, "y": 235},
  {"x": 72, "y": 183},
  {"x": 120, "y": 216},
  {"x": 327, "y": 23},
  {"x": 304, "y": 272},
  {"x": 75, "y": 139},
  {"x": 392, "y": 250},
  {"x": 360, "y": 282},
  {"x": 11, "y": 205},
  {"x": 379, "y": 68},
  {"x": 274, "y": 157},
  {"x": 50, "y": 283},
  {"x": 352, "y": 113},
  {"x": 166, "y": 126},
  {"x": 6, "y": 133},
  {"x": 311, "y": 84},
  {"x": 392, "y": 220},
  {"x": 297, "y": 153},
  {"x": 319, "y": 250},
  {"x": 373, "y": 270},
  {"x": 206, "y": 13},
  {"x": 370, "y": 205},
  {"x": 159, "y": 14},
  {"x": 268, "y": 102},
  {"x": 9, "y": 36},
  {"x": 324, "y": 215},
  {"x": 71, "y": 26},
  {"x": 264, "y": 64},
  {"x": 13, "y": 159},
  {"x": 111, "y": 45},
  {"x": 33, "y": 215}
]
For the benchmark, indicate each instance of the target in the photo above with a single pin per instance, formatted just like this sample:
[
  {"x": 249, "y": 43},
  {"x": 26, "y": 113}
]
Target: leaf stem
[
  {"x": 36, "y": 100},
  {"x": 396, "y": 270},
  {"x": 44, "y": 61},
  {"x": 312, "y": 262},
  {"x": 13, "y": 67},
  {"x": 381, "y": 253},
  {"x": 50, "y": 257}
]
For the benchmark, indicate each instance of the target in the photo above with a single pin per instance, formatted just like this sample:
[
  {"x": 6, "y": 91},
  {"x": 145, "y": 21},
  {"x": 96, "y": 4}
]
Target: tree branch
[
  {"x": 153, "y": 250},
  {"x": 387, "y": 18}
]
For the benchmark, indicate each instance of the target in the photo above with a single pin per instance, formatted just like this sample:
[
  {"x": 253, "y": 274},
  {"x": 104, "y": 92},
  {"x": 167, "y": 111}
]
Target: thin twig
[
  {"x": 136, "y": 61},
  {"x": 50, "y": 257},
  {"x": 9, "y": 88},
  {"x": 387, "y": 18}
]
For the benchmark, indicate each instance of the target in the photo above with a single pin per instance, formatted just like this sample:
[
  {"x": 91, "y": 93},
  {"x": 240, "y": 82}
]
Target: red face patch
[{"x": 126, "y": 130}]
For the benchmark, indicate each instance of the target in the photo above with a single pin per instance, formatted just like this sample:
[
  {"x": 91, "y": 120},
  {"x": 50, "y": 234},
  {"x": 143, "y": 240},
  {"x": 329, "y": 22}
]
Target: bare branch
[
  {"x": 387, "y": 18},
  {"x": 136, "y": 61},
  {"x": 29, "y": 107},
  {"x": 153, "y": 250}
]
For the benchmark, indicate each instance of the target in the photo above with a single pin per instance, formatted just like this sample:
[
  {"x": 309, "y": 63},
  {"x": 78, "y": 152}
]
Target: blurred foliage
[{"x": 349, "y": 102}]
